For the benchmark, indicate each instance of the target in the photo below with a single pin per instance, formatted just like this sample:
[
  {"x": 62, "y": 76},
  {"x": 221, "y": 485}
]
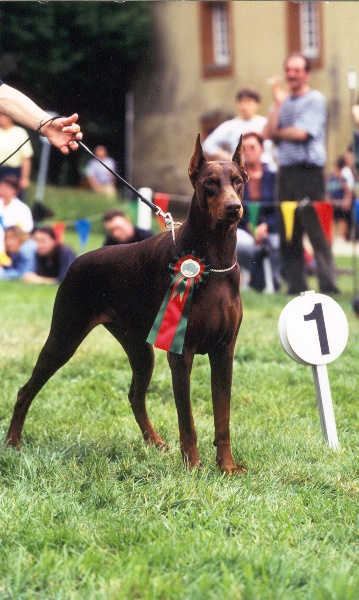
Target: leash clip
[{"x": 169, "y": 222}]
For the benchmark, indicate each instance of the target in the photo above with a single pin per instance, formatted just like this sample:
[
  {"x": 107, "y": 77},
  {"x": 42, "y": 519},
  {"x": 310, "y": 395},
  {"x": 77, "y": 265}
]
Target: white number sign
[{"x": 313, "y": 330}]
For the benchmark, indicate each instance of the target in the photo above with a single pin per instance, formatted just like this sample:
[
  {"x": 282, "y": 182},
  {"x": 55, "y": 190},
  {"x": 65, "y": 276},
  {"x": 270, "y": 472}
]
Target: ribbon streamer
[{"x": 169, "y": 328}]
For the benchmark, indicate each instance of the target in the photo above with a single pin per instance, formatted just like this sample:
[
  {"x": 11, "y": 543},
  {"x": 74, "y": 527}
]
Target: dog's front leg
[
  {"x": 221, "y": 360},
  {"x": 181, "y": 366}
]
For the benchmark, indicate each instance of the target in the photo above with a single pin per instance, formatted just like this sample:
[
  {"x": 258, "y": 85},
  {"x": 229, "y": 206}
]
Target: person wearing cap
[
  {"x": 222, "y": 142},
  {"x": 52, "y": 258},
  {"x": 63, "y": 132}
]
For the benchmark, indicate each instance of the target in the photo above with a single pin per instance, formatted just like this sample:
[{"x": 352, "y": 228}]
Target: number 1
[{"x": 318, "y": 316}]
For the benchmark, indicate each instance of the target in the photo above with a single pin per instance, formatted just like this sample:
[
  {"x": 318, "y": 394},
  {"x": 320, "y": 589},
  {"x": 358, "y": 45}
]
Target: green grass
[{"x": 87, "y": 511}]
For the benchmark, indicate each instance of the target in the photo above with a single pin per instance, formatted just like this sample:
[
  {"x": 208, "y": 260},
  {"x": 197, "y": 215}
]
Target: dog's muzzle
[{"x": 234, "y": 210}]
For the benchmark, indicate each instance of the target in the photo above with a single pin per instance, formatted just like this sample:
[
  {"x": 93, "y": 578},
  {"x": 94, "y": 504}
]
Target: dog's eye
[
  {"x": 237, "y": 181},
  {"x": 211, "y": 184}
]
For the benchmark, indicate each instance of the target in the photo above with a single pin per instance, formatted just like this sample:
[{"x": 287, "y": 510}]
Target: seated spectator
[
  {"x": 12, "y": 210},
  {"x": 222, "y": 142},
  {"x": 52, "y": 258},
  {"x": 340, "y": 194},
  {"x": 100, "y": 179},
  {"x": 253, "y": 246},
  {"x": 21, "y": 250},
  {"x": 120, "y": 230},
  {"x": 19, "y": 164}
]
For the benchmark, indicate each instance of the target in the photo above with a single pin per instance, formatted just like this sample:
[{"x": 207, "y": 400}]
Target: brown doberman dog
[{"x": 122, "y": 287}]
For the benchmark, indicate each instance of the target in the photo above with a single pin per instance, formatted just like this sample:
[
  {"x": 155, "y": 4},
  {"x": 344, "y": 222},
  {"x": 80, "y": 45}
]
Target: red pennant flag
[
  {"x": 324, "y": 212},
  {"x": 161, "y": 200},
  {"x": 59, "y": 231}
]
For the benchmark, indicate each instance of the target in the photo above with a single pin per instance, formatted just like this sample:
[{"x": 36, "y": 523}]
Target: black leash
[{"x": 168, "y": 219}]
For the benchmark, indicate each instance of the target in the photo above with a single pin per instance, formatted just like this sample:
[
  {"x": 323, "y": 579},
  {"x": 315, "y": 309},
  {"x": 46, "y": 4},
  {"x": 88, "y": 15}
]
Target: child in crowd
[{"x": 21, "y": 251}]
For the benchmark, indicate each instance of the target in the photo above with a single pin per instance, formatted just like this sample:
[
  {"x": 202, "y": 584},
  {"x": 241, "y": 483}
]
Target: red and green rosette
[{"x": 169, "y": 329}]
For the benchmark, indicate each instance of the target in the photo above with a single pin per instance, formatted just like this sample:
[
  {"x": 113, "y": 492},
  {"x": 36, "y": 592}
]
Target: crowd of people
[{"x": 285, "y": 156}]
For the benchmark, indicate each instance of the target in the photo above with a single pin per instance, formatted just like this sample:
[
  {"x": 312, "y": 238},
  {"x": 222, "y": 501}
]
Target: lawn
[{"x": 88, "y": 511}]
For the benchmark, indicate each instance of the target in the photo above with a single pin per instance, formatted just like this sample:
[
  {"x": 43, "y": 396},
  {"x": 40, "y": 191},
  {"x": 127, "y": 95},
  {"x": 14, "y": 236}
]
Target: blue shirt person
[{"x": 21, "y": 251}]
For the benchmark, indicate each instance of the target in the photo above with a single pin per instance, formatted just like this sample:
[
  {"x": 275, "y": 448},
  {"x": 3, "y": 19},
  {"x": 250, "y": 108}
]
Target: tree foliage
[{"x": 76, "y": 56}]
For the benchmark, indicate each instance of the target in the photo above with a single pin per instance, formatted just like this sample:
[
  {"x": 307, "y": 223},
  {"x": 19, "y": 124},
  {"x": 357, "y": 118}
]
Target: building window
[
  {"x": 304, "y": 28},
  {"x": 216, "y": 38}
]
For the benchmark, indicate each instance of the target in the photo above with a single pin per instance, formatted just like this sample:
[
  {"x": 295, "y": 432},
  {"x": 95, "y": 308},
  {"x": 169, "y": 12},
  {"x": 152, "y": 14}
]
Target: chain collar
[{"x": 223, "y": 270}]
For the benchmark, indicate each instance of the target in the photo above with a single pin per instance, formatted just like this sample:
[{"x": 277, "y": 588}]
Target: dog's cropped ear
[
  {"x": 237, "y": 158},
  {"x": 197, "y": 161}
]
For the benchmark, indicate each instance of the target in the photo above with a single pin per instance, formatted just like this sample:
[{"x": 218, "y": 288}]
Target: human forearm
[
  {"x": 62, "y": 132},
  {"x": 271, "y": 126},
  {"x": 35, "y": 278},
  {"x": 25, "y": 173},
  {"x": 21, "y": 108},
  {"x": 290, "y": 134}
]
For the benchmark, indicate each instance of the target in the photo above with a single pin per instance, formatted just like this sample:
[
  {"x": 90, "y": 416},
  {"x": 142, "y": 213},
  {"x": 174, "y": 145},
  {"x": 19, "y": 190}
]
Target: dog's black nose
[{"x": 233, "y": 208}]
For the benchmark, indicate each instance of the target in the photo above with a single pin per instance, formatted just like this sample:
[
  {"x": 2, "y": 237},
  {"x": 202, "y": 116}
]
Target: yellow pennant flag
[{"x": 288, "y": 209}]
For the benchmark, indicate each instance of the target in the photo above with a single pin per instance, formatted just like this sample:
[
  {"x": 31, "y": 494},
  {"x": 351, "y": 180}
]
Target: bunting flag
[
  {"x": 83, "y": 229},
  {"x": 59, "y": 230},
  {"x": 253, "y": 211},
  {"x": 324, "y": 212},
  {"x": 288, "y": 209},
  {"x": 169, "y": 329},
  {"x": 162, "y": 201}
]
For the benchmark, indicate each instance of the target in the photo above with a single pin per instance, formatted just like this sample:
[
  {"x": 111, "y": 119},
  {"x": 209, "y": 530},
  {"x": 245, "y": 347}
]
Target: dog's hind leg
[
  {"x": 181, "y": 366},
  {"x": 141, "y": 357},
  {"x": 64, "y": 338}
]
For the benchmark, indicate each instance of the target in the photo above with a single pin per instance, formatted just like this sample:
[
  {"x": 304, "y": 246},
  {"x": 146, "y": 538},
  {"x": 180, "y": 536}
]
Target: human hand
[
  {"x": 24, "y": 182},
  {"x": 63, "y": 133},
  {"x": 261, "y": 232},
  {"x": 279, "y": 94}
]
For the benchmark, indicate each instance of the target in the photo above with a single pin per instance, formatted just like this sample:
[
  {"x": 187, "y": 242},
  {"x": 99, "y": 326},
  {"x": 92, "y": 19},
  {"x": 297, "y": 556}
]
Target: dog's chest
[{"x": 215, "y": 314}]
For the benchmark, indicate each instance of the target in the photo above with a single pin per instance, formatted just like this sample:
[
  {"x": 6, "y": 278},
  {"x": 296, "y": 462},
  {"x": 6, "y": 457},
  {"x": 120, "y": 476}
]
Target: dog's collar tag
[
  {"x": 169, "y": 329},
  {"x": 190, "y": 268}
]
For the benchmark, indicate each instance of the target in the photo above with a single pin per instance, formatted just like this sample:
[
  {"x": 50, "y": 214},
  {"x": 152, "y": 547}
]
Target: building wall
[{"x": 172, "y": 95}]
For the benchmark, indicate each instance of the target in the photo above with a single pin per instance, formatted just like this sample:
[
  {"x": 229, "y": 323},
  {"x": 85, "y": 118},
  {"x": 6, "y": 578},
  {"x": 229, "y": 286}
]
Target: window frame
[
  {"x": 211, "y": 68},
  {"x": 296, "y": 35}
]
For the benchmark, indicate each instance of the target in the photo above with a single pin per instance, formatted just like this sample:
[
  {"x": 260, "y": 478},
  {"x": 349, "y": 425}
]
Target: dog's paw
[
  {"x": 157, "y": 441},
  {"x": 230, "y": 468},
  {"x": 236, "y": 471}
]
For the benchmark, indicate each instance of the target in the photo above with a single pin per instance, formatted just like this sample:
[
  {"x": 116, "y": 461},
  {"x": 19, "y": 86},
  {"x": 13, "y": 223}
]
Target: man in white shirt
[{"x": 222, "y": 142}]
